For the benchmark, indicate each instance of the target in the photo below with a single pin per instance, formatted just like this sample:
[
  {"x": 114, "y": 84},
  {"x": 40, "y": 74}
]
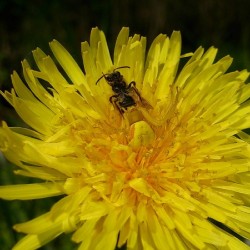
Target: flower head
[{"x": 144, "y": 153}]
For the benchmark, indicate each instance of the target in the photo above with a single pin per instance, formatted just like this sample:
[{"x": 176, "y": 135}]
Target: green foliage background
[{"x": 25, "y": 25}]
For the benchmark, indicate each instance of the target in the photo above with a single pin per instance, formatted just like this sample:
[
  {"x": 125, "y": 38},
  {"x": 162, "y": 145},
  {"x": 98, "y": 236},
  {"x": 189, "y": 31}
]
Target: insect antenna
[
  {"x": 122, "y": 67},
  {"x": 103, "y": 75}
]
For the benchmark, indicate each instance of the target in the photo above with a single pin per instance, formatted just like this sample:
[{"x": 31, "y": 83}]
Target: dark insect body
[{"x": 123, "y": 97}]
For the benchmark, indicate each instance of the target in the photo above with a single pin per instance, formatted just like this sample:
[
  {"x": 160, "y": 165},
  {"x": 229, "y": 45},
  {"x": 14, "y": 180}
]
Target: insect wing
[
  {"x": 145, "y": 104},
  {"x": 140, "y": 101}
]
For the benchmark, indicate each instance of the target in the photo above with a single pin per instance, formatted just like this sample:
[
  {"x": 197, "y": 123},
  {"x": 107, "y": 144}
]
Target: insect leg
[
  {"x": 133, "y": 86},
  {"x": 114, "y": 100}
]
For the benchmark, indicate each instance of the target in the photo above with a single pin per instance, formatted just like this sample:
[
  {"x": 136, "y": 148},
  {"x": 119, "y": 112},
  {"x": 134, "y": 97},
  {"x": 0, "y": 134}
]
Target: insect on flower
[
  {"x": 173, "y": 177},
  {"x": 125, "y": 95}
]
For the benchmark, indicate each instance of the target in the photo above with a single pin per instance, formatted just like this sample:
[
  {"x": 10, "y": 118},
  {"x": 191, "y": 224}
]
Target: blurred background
[{"x": 25, "y": 25}]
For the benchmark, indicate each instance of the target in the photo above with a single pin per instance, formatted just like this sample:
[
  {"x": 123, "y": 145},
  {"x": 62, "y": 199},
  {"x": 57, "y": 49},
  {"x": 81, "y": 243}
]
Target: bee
[{"x": 124, "y": 95}]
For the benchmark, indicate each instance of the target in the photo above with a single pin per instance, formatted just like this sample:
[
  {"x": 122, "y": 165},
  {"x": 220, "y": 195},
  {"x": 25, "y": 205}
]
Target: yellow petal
[
  {"x": 67, "y": 62},
  {"x": 30, "y": 191},
  {"x": 141, "y": 134}
]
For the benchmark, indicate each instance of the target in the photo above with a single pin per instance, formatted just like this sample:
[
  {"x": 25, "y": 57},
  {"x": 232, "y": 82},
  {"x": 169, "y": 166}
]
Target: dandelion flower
[{"x": 152, "y": 164}]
